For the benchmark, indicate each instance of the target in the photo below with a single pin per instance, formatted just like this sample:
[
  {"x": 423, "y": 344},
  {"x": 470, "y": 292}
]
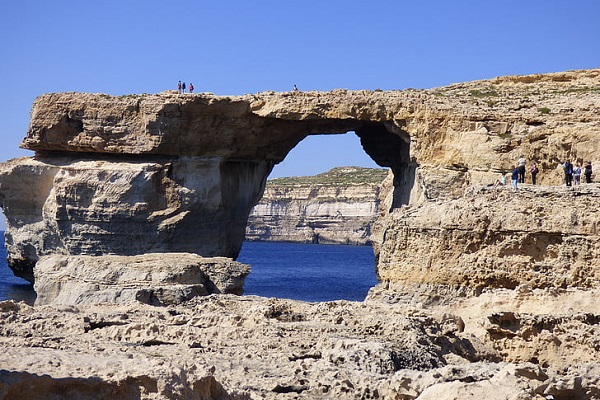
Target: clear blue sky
[{"x": 236, "y": 47}]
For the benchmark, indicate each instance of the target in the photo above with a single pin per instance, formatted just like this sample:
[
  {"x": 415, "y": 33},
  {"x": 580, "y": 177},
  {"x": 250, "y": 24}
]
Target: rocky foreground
[{"x": 522, "y": 344}]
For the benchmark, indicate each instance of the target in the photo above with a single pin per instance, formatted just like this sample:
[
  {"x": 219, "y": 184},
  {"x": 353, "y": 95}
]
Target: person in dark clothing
[
  {"x": 514, "y": 177},
  {"x": 182, "y": 87},
  {"x": 568, "y": 167},
  {"x": 534, "y": 172},
  {"x": 587, "y": 171}
]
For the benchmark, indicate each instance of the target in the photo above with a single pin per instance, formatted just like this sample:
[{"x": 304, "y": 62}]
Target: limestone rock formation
[
  {"x": 197, "y": 164},
  {"x": 157, "y": 279},
  {"x": 539, "y": 236},
  {"x": 234, "y": 347},
  {"x": 336, "y": 207},
  {"x": 80, "y": 206},
  {"x": 484, "y": 292}
]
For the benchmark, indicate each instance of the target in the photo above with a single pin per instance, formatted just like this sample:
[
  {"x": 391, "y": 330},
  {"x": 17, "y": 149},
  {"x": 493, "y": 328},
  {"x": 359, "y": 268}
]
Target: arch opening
[
  {"x": 304, "y": 270},
  {"x": 390, "y": 150}
]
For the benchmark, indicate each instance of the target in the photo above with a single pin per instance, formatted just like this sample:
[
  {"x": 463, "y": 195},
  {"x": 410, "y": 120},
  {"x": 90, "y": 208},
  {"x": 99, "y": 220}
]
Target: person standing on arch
[
  {"x": 191, "y": 87},
  {"x": 179, "y": 87},
  {"x": 182, "y": 87}
]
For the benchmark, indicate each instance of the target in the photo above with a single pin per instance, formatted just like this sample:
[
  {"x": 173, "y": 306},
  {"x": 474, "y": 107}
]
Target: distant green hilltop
[{"x": 339, "y": 176}]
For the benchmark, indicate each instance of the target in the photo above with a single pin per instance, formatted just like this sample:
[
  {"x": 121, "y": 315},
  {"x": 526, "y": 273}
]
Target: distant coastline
[{"x": 335, "y": 207}]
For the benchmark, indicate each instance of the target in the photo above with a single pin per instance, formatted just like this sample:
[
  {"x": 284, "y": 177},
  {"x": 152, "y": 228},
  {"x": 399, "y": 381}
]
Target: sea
[
  {"x": 12, "y": 287},
  {"x": 308, "y": 272}
]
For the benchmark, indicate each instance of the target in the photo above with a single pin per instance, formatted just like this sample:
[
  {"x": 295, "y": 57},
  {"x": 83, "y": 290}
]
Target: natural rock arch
[
  {"x": 170, "y": 174},
  {"x": 167, "y": 173}
]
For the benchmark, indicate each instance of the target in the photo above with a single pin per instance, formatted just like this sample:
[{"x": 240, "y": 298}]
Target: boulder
[{"x": 158, "y": 279}]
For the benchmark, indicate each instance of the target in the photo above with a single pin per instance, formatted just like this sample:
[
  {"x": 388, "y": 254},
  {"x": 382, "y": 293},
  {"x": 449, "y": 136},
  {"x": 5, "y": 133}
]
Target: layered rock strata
[
  {"x": 336, "y": 207},
  {"x": 81, "y": 206},
  {"x": 195, "y": 165},
  {"x": 538, "y": 236},
  {"x": 157, "y": 279}
]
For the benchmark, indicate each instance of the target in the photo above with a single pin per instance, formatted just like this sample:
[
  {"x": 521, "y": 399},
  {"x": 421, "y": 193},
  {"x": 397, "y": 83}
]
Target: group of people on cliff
[
  {"x": 181, "y": 87},
  {"x": 572, "y": 173}
]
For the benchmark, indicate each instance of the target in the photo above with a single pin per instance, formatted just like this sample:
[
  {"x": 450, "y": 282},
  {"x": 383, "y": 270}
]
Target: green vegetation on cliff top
[{"x": 338, "y": 176}]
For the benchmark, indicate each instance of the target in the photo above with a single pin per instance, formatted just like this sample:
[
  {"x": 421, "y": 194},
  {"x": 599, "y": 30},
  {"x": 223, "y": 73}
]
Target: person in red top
[
  {"x": 534, "y": 172},
  {"x": 191, "y": 87}
]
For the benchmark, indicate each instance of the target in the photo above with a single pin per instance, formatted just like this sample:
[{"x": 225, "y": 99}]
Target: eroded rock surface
[
  {"x": 247, "y": 347},
  {"x": 485, "y": 293},
  {"x": 83, "y": 206},
  {"x": 540, "y": 236},
  {"x": 157, "y": 279},
  {"x": 196, "y": 164}
]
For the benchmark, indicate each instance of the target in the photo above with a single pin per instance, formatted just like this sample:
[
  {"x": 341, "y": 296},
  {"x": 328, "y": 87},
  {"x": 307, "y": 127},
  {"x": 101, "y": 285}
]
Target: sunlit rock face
[
  {"x": 159, "y": 279},
  {"x": 336, "y": 207},
  {"x": 539, "y": 237},
  {"x": 168, "y": 173},
  {"x": 96, "y": 206},
  {"x": 494, "y": 293}
]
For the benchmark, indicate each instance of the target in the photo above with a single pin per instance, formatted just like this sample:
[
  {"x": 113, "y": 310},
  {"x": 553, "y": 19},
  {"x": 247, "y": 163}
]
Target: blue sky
[{"x": 236, "y": 47}]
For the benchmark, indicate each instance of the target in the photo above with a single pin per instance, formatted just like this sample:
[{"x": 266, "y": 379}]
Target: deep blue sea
[
  {"x": 12, "y": 287},
  {"x": 310, "y": 272}
]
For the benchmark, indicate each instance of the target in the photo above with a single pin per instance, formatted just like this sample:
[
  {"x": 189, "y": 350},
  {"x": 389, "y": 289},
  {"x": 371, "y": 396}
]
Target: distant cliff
[{"x": 338, "y": 206}]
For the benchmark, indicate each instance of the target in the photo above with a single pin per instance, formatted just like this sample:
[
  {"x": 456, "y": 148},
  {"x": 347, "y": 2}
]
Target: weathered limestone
[
  {"x": 336, "y": 207},
  {"x": 539, "y": 236},
  {"x": 202, "y": 160},
  {"x": 157, "y": 279},
  {"x": 485, "y": 293},
  {"x": 81, "y": 206},
  {"x": 248, "y": 347}
]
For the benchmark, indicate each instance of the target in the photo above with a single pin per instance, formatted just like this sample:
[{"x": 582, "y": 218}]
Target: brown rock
[
  {"x": 207, "y": 157},
  {"x": 542, "y": 237}
]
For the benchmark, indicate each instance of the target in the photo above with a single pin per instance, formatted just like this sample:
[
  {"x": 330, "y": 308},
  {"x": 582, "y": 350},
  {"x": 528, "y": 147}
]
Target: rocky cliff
[
  {"x": 181, "y": 173},
  {"x": 339, "y": 206},
  {"x": 485, "y": 292}
]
